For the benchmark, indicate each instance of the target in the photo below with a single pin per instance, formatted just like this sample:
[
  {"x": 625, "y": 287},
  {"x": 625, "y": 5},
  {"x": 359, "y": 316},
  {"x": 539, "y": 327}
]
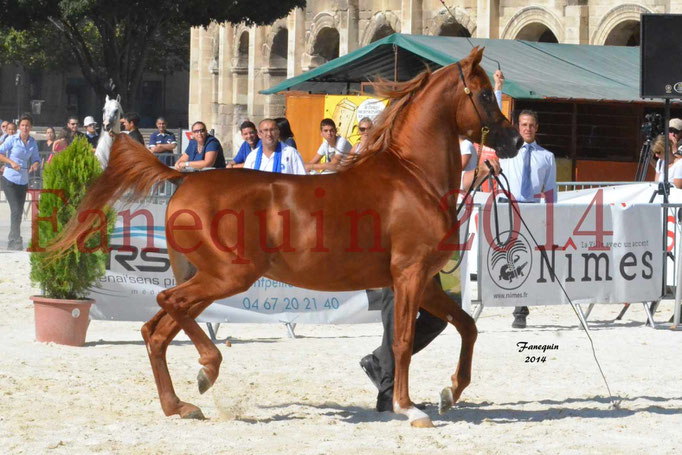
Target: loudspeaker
[{"x": 661, "y": 56}]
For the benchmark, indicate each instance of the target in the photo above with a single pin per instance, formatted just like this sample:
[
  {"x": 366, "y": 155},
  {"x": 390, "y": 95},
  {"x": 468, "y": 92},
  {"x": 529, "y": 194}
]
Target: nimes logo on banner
[{"x": 509, "y": 266}]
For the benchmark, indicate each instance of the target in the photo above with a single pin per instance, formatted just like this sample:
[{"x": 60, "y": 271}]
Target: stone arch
[
  {"x": 275, "y": 50},
  {"x": 532, "y": 20},
  {"x": 618, "y": 20},
  {"x": 443, "y": 24},
  {"x": 320, "y": 22},
  {"x": 240, "y": 52},
  {"x": 381, "y": 25}
]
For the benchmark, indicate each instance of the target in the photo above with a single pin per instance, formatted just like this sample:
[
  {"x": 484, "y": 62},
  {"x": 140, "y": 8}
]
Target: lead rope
[{"x": 615, "y": 403}]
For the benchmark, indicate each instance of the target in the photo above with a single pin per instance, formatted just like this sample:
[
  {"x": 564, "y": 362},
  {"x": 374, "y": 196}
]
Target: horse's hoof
[
  {"x": 203, "y": 381},
  {"x": 445, "y": 400},
  {"x": 195, "y": 414},
  {"x": 424, "y": 422}
]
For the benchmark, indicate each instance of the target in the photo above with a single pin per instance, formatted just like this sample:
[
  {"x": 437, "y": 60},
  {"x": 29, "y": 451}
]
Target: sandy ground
[{"x": 309, "y": 396}]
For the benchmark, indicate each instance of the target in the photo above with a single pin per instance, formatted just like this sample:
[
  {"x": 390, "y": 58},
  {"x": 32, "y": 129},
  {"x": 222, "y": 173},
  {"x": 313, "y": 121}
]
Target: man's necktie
[{"x": 526, "y": 184}]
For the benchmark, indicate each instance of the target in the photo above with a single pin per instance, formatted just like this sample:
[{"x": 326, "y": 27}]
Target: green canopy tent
[
  {"x": 533, "y": 70},
  {"x": 587, "y": 96}
]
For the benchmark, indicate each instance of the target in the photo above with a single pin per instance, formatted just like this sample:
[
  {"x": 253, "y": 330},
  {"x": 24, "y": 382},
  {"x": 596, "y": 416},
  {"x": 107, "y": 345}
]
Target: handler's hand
[
  {"x": 499, "y": 80},
  {"x": 483, "y": 170},
  {"x": 16, "y": 166},
  {"x": 34, "y": 166}
]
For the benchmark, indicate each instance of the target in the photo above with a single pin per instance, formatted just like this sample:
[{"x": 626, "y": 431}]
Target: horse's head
[
  {"x": 111, "y": 114},
  {"x": 478, "y": 108}
]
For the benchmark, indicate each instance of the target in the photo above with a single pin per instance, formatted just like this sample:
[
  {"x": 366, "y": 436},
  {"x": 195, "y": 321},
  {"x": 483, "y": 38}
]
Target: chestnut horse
[{"x": 382, "y": 222}]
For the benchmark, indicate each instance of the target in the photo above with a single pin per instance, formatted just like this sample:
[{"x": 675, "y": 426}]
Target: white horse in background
[{"x": 111, "y": 126}]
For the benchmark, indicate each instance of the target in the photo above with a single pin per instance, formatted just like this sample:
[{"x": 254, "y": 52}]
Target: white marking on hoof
[
  {"x": 446, "y": 400},
  {"x": 413, "y": 414}
]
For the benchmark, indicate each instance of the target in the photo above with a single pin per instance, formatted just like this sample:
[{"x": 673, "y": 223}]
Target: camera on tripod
[{"x": 652, "y": 126}]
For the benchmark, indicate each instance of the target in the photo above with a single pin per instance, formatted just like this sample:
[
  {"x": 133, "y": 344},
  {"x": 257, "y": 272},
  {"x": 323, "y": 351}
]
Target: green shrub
[{"x": 68, "y": 275}]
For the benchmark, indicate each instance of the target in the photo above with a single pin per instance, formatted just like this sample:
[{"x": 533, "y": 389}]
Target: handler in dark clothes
[{"x": 380, "y": 365}]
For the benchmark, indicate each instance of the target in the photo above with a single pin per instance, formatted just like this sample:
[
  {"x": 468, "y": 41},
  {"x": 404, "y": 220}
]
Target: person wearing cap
[
  {"x": 675, "y": 132},
  {"x": 162, "y": 141},
  {"x": 91, "y": 130}
]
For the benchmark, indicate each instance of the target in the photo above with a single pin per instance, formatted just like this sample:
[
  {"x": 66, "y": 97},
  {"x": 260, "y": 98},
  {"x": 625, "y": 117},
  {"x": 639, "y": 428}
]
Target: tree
[{"x": 116, "y": 41}]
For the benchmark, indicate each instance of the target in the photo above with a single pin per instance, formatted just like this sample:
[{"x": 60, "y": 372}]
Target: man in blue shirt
[
  {"x": 163, "y": 141},
  {"x": 203, "y": 151},
  {"x": 251, "y": 142}
]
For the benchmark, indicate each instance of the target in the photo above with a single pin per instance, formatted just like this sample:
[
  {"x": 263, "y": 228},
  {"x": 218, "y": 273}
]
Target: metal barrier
[{"x": 571, "y": 186}]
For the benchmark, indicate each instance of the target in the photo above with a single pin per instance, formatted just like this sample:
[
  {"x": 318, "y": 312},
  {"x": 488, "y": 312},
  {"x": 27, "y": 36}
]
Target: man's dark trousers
[{"x": 427, "y": 328}]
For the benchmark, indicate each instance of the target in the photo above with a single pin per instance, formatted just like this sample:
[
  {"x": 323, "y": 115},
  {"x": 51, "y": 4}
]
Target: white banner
[
  {"x": 139, "y": 269},
  {"x": 603, "y": 253}
]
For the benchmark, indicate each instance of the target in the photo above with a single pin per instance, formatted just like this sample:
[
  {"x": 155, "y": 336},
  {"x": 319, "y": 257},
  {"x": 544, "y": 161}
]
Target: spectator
[
  {"x": 274, "y": 155},
  {"x": 60, "y": 144},
  {"x": 131, "y": 120},
  {"x": 163, "y": 141},
  {"x": 72, "y": 127},
  {"x": 658, "y": 151},
  {"x": 675, "y": 132},
  {"x": 251, "y": 143},
  {"x": 91, "y": 131},
  {"x": 50, "y": 139},
  {"x": 364, "y": 126},
  {"x": 203, "y": 151},
  {"x": 285, "y": 133},
  {"x": 530, "y": 173},
  {"x": 3, "y": 130},
  {"x": 20, "y": 154},
  {"x": 332, "y": 149},
  {"x": 675, "y": 169},
  {"x": 10, "y": 130}
]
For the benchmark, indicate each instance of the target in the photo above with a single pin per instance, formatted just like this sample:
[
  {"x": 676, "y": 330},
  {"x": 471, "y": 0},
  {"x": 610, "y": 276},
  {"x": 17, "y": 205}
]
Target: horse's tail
[{"x": 132, "y": 168}]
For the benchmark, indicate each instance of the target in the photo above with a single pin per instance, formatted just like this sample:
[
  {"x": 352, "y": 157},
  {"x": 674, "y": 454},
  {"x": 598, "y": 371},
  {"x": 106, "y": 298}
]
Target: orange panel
[
  {"x": 304, "y": 113},
  {"x": 607, "y": 171}
]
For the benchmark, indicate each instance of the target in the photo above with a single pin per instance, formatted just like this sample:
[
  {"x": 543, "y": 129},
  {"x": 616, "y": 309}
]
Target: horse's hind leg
[
  {"x": 439, "y": 304},
  {"x": 186, "y": 302},
  {"x": 408, "y": 290},
  {"x": 157, "y": 334}
]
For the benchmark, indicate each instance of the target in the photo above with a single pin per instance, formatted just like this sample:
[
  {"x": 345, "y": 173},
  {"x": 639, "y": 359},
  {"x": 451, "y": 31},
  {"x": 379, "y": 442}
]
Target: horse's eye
[{"x": 487, "y": 95}]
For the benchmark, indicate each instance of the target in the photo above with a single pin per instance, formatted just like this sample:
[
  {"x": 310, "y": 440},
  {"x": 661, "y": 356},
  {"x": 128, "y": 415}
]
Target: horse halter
[{"x": 484, "y": 129}]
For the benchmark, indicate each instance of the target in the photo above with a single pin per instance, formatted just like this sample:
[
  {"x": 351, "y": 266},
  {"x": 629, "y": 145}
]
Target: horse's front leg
[
  {"x": 409, "y": 290},
  {"x": 439, "y": 304}
]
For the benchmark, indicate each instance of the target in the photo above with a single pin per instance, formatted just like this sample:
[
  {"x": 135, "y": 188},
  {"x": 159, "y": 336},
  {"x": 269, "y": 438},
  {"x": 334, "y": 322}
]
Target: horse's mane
[{"x": 380, "y": 136}]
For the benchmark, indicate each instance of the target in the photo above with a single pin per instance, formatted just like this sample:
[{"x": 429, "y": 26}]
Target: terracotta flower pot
[{"x": 61, "y": 321}]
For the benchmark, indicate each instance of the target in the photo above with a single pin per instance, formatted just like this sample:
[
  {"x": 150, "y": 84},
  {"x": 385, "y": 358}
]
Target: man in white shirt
[
  {"x": 273, "y": 155},
  {"x": 333, "y": 149},
  {"x": 531, "y": 173}
]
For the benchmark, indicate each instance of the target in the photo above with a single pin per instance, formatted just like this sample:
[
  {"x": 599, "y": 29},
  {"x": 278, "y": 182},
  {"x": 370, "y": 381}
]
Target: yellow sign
[{"x": 346, "y": 111}]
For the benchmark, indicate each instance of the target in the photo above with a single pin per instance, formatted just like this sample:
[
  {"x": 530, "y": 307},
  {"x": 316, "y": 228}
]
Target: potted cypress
[{"x": 62, "y": 312}]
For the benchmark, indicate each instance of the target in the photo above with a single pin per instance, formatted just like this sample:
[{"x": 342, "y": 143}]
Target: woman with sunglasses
[
  {"x": 363, "y": 128},
  {"x": 20, "y": 155},
  {"x": 204, "y": 151}
]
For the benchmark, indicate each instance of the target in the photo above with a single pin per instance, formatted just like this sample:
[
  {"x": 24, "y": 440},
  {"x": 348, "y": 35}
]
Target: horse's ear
[
  {"x": 118, "y": 99},
  {"x": 107, "y": 99},
  {"x": 476, "y": 55}
]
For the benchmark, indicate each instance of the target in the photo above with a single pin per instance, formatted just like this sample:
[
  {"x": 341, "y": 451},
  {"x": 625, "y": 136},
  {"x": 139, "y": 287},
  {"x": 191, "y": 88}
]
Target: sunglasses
[{"x": 203, "y": 130}]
